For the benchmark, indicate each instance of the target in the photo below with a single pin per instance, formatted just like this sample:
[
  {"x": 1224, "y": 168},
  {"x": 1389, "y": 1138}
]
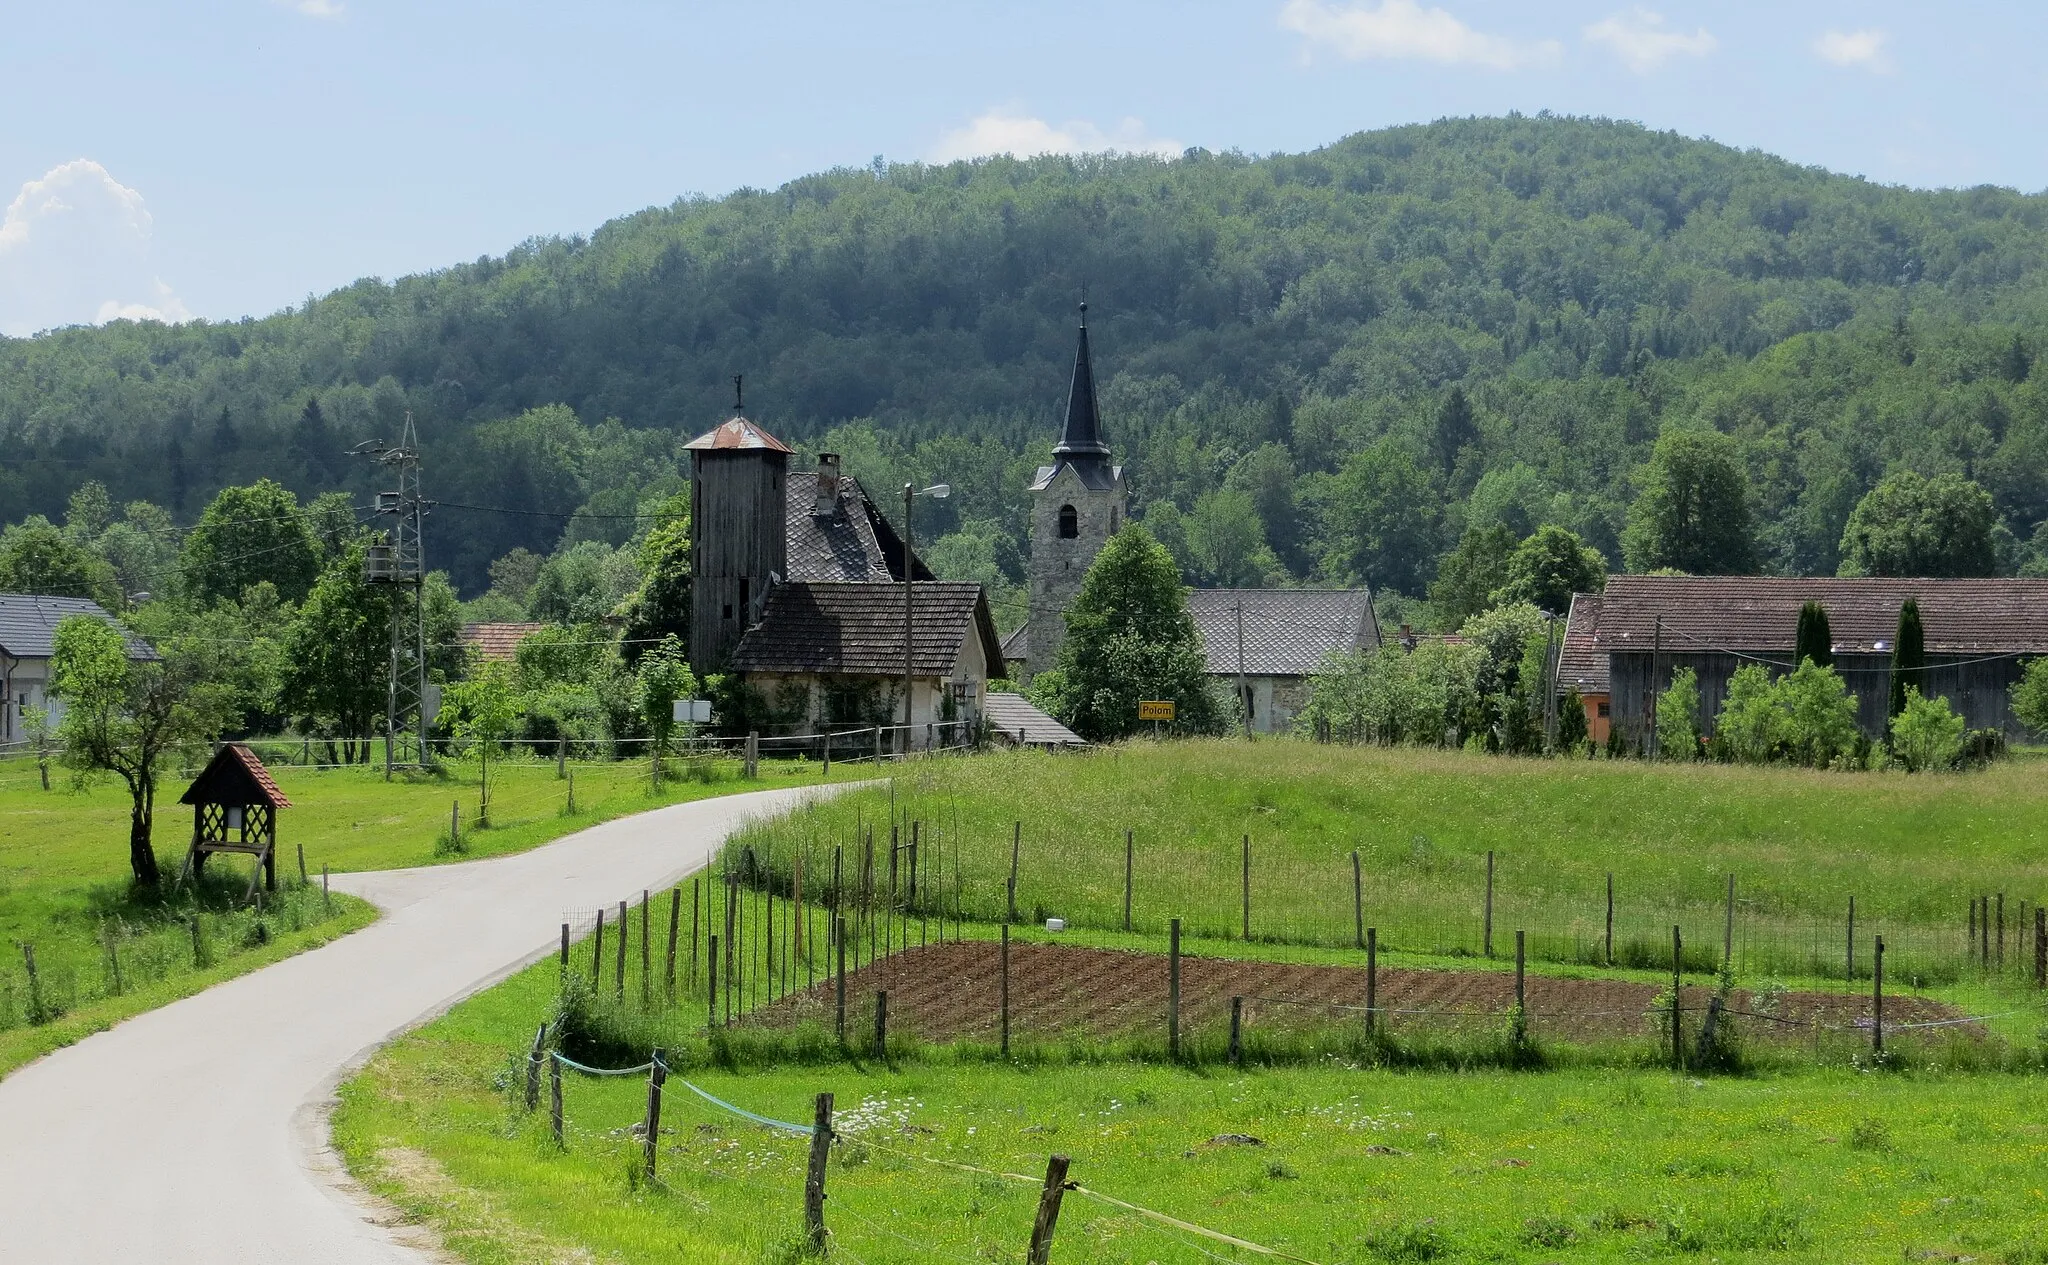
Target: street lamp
[{"x": 938, "y": 492}]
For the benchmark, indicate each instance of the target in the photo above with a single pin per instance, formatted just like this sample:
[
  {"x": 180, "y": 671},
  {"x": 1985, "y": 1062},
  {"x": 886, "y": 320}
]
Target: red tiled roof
[
  {"x": 234, "y": 776},
  {"x": 1580, "y": 666},
  {"x": 497, "y": 643},
  {"x": 1761, "y": 613}
]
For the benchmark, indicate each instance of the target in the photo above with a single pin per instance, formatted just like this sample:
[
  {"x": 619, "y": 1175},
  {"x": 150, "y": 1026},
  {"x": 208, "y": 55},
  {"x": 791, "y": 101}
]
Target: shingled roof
[
  {"x": 234, "y": 776},
  {"x": 497, "y": 643},
  {"x": 1761, "y": 613},
  {"x": 28, "y": 625},
  {"x": 1580, "y": 665},
  {"x": 854, "y": 543},
  {"x": 1287, "y": 632},
  {"x": 857, "y": 629}
]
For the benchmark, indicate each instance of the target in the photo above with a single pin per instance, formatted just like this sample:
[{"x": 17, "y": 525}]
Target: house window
[
  {"x": 1112, "y": 520},
  {"x": 1603, "y": 711},
  {"x": 1070, "y": 523}
]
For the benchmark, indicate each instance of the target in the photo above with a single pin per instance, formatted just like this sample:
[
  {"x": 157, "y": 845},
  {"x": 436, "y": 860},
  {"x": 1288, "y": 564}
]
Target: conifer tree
[
  {"x": 1814, "y": 640},
  {"x": 1909, "y": 656}
]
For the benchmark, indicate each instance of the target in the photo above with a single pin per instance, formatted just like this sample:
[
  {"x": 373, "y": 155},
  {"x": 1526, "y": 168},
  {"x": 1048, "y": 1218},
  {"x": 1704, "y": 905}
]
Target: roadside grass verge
[
  {"x": 1352, "y": 1165},
  {"x": 65, "y": 891}
]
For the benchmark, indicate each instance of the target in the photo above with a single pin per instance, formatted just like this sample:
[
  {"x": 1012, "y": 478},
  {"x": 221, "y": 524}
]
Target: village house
[
  {"x": 28, "y": 628},
  {"x": 1267, "y": 643},
  {"x": 1621, "y": 647}
]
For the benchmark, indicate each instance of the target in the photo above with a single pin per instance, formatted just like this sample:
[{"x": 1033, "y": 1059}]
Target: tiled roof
[
  {"x": 1017, "y": 646},
  {"x": 1019, "y": 721},
  {"x": 855, "y": 543},
  {"x": 1580, "y": 666},
  {"x": 497, "y": 643},
  {"x": 1761, "y": 613},
  {"x": 1287, "y": 632},
  {"x": 734, "y": 435},
  {"x": 28, "y": 623},
  {"x": 234, "y": 776},
  {"x": 809, "y": 626}
]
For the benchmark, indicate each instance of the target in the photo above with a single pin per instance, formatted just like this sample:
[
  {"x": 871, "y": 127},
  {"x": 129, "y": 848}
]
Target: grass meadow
[
  {"x": 105, "y": 951},
  {"x": 1582, "y": 1164}
]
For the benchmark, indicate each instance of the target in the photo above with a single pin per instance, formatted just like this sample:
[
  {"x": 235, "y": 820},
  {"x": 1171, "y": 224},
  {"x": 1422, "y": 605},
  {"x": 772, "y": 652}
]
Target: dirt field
[{"x": 950, "y": 991}]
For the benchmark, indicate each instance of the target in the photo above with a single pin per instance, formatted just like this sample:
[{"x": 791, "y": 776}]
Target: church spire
[{"x": 1081, "y": 443}]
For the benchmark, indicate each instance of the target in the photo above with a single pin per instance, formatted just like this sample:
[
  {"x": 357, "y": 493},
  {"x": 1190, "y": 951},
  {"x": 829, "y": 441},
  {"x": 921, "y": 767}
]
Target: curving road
[{"x": 195, "y": 1134}]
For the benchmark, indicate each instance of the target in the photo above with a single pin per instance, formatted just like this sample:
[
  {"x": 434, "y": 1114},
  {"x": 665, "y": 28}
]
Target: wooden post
[
  {"x": 1237, "y": 1032},
  {"x": 555, "y": 1099},
  {"x": 565, "y": 948},
  {"x": 655, "y": 1076},
  {"x": 1016, "y": 846},
  {"x": 620, "y": 954},
  {"x": 198, "y": 947},
  {"x": 696, "y": 925},
  {"x": 1487, "y": 928},
  {"x": 2040, "y": 947},
  {"x": 302, "y": 865},
  {"x": 1173, "y": 990},
  {"x": 675, "y": 926},
  {"x": 1521, "y": 994},
  {"x": 882, "y": 1023},
  {"x": 1127, "y": 880},
  {"x": 1877, "y": 996},
  {"x": 1677, "y": 983},
  {"x": 1610, "y": 917},
  {"x": 711, "y": 982},
  {"x": 113, "y": 943},
  {"x": 35, "y": 983},
  {"x": 326, "y": 900},
  {"x": 1357, "y": 900},
  {"x": 1984, "y": 931},
  {"x": 1998, "y": 962},
  {"x": 1247, "y": 871},
  {"x": 753, "y": 765},
  {"x": 455, "y": 826},
  {"x": 597, "y": 953},
  {"x": 1849, "y": 968},
  {"x": 1728, "y": 932},
  {"x": 646, "y": 953},
  {"x": 1971, "y": 941},
  {"x": 1048, "y": 1218},
  {"x": 572, "y": 792},
  {"x": 540, "y": 1037},
  {"x": 1004, "y": 993},
  {"x": 561, "y": 757},
  {"x": 839, "y": 939},
  {"x": 814, "y": 1176},
  {"x": 1372, "y": 980}
]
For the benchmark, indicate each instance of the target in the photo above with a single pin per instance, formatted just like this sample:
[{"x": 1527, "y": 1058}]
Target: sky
[{"x": 233, "y": 158}]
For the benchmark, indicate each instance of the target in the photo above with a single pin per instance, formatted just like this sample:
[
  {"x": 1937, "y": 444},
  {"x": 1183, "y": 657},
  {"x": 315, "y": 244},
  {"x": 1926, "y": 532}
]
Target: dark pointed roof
[
  {"x": 234, "y": 776},
  {"x": 1081, "y": 444}
]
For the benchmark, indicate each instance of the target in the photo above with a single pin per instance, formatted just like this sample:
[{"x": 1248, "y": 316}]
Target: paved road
[{"x": 195, "y": 1134}]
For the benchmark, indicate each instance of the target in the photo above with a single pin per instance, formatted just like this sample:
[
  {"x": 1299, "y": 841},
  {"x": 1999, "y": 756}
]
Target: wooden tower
[{"x": 739, "y": 541}]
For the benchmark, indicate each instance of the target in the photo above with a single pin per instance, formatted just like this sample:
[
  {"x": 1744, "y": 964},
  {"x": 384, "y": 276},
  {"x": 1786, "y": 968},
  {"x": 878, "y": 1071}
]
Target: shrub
[
  {"x": 1820, "y": 714},
  {"x": 1927, "y": 734},
  {"x": 1678, "y": 709},
  {"x": 1751, "y": 723},
  {"x": 2030, "y": 696},
  {"x": 1571, "y": 723}
]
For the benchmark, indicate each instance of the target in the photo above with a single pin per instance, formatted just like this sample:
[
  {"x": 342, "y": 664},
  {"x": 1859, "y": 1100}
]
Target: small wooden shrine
[{"x": 234, "y": 809}]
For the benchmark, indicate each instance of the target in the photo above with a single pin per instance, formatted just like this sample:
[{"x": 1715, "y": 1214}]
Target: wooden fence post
[
  {"x": 711, "y": 982},
  {"x": 1728, "y": 932},
  {"x": 655, "y": 1076},
  {"x": 696, "y": 925},
  {"x": 1372, "y": 979},
  {"x": 1610, "y": 917},
  {"x": 1677, "y": 983},
  {"x": 1357, "y": 900},
  {"x": 35, "y": 983},
  {"x": 1877, "y": 996},
  {"x": 1998, "y": 962},
  {"x": 1048, "y": 1218},
  {"x": 540, "y": 1037},
  {"x": 2040, "y": 947},
  {"x": 882, "y": 1023},
  {"x": 814, "y": 1175},
  {"x": 1247, "y": 887},
  {"x": 1237, "y": 1032},
  {"x": 555, "y": 1099},
  {"x": 565, "y": 948},
  {"x": 675, "y": 926},
  {"x": 1970, "y": 941},
  {"x": 753, "y": 765},
  {"x": 1016, "y": 846},
  {"x": 1521, "y": 993},
  {"x": 597, "y": 953},
  {"x": 572, "y": 792},
  {"x": 646, "y": 953},
  {"x": 1487, "y": 926},
  {"x": 1127, "y": 880},
  {"x": 326, "y": 900},
  {"x": 455, "y": 826},
  {"x": 1173, "y": 990},
  {"x": 620, "y": 975},
  {"x": 1849, "y": 967},
  {"x": 1005, "y": 989},
  {"x": 302, "y": 865}
]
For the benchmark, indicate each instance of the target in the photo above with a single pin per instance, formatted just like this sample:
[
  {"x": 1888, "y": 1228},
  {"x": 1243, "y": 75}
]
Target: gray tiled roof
[
  {"x": 1761, "y": 613},
  {"x": 853, "y": 544},
  {"x": 1019, "y": 721},
  {"x": 1287, "y": 632},
  {"x": 1581, "y": 665},
  {"x": 809, "y": 626},
  {"x": 28, "y": 623}
]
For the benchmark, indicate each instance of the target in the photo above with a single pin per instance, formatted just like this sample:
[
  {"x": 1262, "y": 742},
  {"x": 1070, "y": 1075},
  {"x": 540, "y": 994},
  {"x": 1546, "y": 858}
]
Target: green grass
[
  {"x": 1911, "y": 850},
  {"x": 64, "y": 884},
  {"x": 1358, "y": 1165}
]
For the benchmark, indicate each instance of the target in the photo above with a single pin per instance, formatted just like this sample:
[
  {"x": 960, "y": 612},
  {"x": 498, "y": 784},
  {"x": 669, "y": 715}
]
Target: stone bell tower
[{"x": 1077, "y": 505}]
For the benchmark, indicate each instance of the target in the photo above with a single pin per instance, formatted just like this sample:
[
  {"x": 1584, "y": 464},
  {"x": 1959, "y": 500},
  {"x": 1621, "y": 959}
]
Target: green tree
[
  {"x": 1470, "y": 575},
  {"x": 37, "y": 557},
  {"x": 1227, "y": 542},
  {"x": 1909, "y": 655},
  {"x": 1678, "y": 709},
  {"x": 1910, "y": 526},
  {"x": 487, "y": 704},
  {"x": 249, "y": 534},
  {"x": 1129, "y": 637},
  {"x": 1381, "y": 518},
  {"x": 1572, "y": 730},
  {"x": 1752, "y": 720},
  {"x": 1549, "y": 567},
  {"x": 125, "y": 717},
  {"x": 1819, "y": 714},
  {"x": 1927, "y": 733},
  {"x": 1693, "y": 510},
  {"x": 1814, "y": 641},
  {"x": 336, "y": 655},
  {"x": 1455, "y": 429},
  {"x": 660, "y": 607},
  {"x": 663, "y": 678},
  {"x": 2030, "y": 696}
]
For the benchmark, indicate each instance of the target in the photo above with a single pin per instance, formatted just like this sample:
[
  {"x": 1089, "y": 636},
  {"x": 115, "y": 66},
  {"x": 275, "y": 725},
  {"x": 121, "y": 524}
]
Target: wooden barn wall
[
  {"x": 1978, "y": 688},
  {"x": 739, "y": 537}
]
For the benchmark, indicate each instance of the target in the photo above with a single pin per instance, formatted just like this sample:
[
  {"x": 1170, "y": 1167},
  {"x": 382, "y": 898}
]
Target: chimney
[{"x": 827, "y": 503}]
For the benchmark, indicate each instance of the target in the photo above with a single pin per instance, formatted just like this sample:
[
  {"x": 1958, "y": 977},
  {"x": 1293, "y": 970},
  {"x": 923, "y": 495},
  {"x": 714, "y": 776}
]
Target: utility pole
[
  {"x": 399, "y": 560},
  {"x": 937, "y": 491}
]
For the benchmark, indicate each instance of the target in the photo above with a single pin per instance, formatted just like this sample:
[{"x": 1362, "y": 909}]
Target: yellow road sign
[{"x": 1155, "y": 709}]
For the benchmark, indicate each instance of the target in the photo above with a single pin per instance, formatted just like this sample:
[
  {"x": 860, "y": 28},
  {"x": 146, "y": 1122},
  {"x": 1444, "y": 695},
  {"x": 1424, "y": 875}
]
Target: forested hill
[{"x": 1277, "y": 337}]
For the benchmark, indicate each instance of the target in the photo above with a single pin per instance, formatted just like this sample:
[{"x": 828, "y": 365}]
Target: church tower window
[{"x": 1070, "y": 523}]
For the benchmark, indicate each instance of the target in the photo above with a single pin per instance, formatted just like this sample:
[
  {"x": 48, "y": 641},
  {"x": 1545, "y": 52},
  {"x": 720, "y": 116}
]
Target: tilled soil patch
[{"x": 952, "y": 991}]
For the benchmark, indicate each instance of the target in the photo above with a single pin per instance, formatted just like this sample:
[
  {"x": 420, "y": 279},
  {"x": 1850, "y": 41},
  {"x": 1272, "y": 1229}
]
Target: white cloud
[
  {"x": 1638, "y": 37},
  {"x": 1854, "y": 48},
  {"x": 1404, "y": 30},
  {"x": 1004, "y": 132},
  {"x": 75, "y": 247},
  {"x": 315, "y": 8}
]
